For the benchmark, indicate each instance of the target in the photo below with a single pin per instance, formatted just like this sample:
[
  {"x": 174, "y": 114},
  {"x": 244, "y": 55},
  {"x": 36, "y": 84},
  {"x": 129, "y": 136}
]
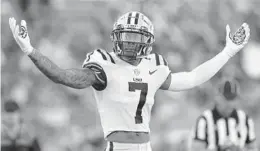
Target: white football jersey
[{"x": 126, "y": 100}]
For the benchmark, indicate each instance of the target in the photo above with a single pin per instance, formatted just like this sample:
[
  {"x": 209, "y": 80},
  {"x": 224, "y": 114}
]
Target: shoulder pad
[
  {"x": 98, "y": 56},
  {"x": 159, "y": 60}
]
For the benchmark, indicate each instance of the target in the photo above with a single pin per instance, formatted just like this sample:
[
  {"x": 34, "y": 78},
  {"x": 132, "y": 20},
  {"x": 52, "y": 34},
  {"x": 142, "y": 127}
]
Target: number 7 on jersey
[{"x": 144, "y": 89}]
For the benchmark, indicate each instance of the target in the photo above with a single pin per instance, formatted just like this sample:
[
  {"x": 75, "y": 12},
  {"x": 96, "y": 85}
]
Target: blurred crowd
[{"x": 187, "y": 33}]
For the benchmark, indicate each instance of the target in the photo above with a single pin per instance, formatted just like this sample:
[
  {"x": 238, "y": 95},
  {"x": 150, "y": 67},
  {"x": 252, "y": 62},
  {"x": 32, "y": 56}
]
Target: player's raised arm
[
  {"x": 187, "y": 80},
  {"x": 75, "y": 78}
]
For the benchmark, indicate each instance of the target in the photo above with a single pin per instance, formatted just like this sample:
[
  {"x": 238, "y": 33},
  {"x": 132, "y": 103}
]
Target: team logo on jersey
[{"x": 136, "y": 72}]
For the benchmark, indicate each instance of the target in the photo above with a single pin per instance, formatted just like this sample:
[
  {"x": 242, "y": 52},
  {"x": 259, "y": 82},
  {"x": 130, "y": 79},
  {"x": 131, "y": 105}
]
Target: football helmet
[{"x": 133, "y": 36}]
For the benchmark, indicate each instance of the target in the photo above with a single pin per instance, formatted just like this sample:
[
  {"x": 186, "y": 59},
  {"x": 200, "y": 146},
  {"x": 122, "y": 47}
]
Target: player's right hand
[{"x": 20, "y": 35}]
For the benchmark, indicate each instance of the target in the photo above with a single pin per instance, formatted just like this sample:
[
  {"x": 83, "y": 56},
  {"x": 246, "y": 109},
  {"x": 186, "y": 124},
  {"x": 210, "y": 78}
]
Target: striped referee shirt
[{"x": 213, "y": 129}]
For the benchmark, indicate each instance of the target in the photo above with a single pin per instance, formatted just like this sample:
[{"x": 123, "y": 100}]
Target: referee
[{"x": 224, "y": 128}]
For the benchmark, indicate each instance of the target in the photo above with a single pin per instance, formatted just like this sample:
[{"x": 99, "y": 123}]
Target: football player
[{"x": 125, "y": 80}]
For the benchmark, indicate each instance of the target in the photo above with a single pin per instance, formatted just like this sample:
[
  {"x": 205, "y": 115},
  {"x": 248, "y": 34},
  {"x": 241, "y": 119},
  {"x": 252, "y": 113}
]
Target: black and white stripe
[
  {"x": 110, "y": 146},
  {"x": 99, "y": 74},
  {"x": 98, "y": 55},
  {"x": 129, "y": 18},
  {"x": 133, "y": 18},
  {"x": 136, "y": 18},
  {"x": 105, "y": 55},
  {"x": 213, "y": 129},
  {"x": 160, "y": 60}
]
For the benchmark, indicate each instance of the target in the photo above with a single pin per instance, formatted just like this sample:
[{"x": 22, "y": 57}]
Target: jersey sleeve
[
  {"x": 250, "y": 130},
  {"x": 162, "y": 64},
  {"x": 200, "y": 130},
  {"x": 94, "y": 61},
  {"x": 159, "y": 60}
]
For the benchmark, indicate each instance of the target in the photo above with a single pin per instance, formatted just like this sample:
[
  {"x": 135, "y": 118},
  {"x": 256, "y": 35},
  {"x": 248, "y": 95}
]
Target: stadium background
[{"x": 188, "y": 32}]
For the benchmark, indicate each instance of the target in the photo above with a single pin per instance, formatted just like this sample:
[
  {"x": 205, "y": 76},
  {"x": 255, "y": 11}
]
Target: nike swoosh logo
[{"x": 152, "y": 72}]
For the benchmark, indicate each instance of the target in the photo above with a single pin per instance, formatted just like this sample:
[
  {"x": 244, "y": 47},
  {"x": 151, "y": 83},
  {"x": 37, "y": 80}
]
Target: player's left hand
[{"x": 235, "y": 42}]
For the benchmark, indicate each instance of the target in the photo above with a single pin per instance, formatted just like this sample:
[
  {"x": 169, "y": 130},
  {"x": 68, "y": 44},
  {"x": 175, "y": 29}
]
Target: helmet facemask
[{"x": 132, "y": 44}]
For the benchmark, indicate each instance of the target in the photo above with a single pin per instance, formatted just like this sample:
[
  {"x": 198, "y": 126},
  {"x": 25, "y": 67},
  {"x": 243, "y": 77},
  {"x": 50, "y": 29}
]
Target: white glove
[
  {"x": 234, "y": 43},
  {"x": 21, "y": 35}
]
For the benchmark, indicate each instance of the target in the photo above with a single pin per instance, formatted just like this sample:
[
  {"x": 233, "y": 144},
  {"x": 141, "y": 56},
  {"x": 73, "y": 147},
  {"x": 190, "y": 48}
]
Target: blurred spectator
[{"x": 16, "y": 135}]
